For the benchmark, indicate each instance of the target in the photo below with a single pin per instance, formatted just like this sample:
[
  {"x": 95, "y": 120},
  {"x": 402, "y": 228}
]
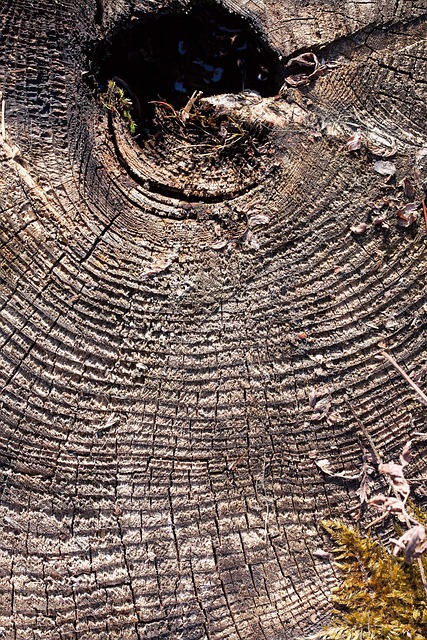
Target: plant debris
[
  {"x": 116, "y": 100},
  {"x": 425, "y": 211},
  {"x": 304, "y": 69},
  {"x": 359, "y": 229},
  {"x": 407, "y": 215},
  {"x": 354, "y": 143},
  {"x": 386, "y": 505},
  {"x": 323, "y": 465},
  {"x": 411, "y": 543},
  {"x": 379, "y": 598},
  {"x": 366, "y": 481},
  {"x": 409, "y": 380},
  {"x": 321, "y": 407},
  {"x": 233, "y": 466},
  {"x": 381, "y": 151},
  {"x": 385, "y": 168},
  {"x": 408, "y": 188},
  {"x": 379, "y": 594},
  {"x": 206, "y": 131},
  {"x": 184, "y": 114},
  {"x": 258, "y": 220},
  {"x": 156, "y": 267},
  {"x": 395, "y": 473}
]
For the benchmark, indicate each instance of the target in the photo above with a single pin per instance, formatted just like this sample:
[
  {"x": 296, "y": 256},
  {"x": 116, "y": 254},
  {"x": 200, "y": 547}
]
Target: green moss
[
  {"x": 417, "y": 512},
  {"x": 379, "y": 598},
  {"x": 115, "y": 99}
]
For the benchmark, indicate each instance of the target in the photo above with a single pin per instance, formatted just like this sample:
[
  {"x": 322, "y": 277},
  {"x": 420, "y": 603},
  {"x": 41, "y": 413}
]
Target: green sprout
[{"x": 115, "y": 99}]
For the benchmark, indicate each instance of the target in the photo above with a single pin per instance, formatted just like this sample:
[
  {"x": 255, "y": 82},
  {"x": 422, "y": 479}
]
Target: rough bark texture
[{"x": 157, "y": 445}]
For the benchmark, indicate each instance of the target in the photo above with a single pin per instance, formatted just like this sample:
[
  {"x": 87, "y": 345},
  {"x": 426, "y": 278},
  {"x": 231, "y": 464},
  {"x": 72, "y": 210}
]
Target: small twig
[
  {"x": 365, "y": 434},
  {"x": 238, "y": 461},
  {"x": 380, "y": 518},
  {"x": 164, "y": 104},
  {"x": 398, "y": 368}
]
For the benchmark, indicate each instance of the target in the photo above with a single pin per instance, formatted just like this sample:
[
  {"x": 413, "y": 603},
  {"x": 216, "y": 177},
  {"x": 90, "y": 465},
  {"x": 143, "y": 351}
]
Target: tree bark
[{"x": 162, "y": 365}]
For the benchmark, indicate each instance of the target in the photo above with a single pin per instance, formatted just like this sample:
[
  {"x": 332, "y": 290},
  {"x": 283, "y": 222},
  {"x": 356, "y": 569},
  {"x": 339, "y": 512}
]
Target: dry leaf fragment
[
  {"x": 248, "y": 239},
  {"x": 358, "y": 229},
  {"x": 321, "y": 554},
  {"x": 364, "y": 490},
  {"x": 220, "y": 244},
  {"x": 387, "y": 504},
  {"x": 258, "y": 220},
  {"x": 385, "y": 168},
  {"x": 366, "y": 483},
  {"x": 381, "y": 222},
  {"x": 408, "y": 215},
  {"x": 321, "y": 408},
  {"x": 355, "y": 141},
  {"x": 323, "y": 466},
  {"x": 333, "y": 418},
  {"x": 303, "y": 69},
  {"x": 156, "y": 267},
  {"x": 312, "y": 398},
  {"x": 408, "y": 188},
  {"x": 323, "y": 404},
  {"x": 308, "y": 60},
  {"x": 405, "y": 456},
  {"x": 112, "y": 421},
  {"x": 410, "y": 543},
  {"x": 395, "y": 473}
]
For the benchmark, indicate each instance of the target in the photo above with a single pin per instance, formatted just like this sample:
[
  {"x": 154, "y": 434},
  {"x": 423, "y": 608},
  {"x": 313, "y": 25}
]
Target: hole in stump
[{"x": 167, "y": 58}]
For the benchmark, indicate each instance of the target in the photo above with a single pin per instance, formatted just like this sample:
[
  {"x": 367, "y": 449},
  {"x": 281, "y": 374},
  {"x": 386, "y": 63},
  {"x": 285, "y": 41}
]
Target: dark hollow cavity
[{"x": 167, "y": 58}]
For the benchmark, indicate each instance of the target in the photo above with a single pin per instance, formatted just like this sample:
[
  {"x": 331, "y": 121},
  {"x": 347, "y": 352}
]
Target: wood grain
[{"x": 157, "y": 445}]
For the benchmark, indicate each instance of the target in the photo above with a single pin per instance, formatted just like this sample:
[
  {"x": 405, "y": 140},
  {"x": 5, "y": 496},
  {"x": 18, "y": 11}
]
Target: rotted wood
[{"x": 170, "y": 322}]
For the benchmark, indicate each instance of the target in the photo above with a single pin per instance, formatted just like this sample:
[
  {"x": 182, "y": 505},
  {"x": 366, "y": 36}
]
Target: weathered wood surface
[{"x": 157, "y": 447}]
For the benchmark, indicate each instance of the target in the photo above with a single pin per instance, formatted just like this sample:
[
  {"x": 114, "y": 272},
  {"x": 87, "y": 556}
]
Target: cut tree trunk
[{"x": 189, "y": 343}]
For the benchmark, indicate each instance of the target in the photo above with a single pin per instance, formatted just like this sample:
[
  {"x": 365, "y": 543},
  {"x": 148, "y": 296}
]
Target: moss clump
[{"x": 380, "y": 597}]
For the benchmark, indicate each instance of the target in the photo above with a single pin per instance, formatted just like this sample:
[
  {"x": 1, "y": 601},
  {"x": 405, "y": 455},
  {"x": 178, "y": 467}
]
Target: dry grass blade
[
  {"x": 184, "y": 114},
  {"x": 409, "y": 380}
]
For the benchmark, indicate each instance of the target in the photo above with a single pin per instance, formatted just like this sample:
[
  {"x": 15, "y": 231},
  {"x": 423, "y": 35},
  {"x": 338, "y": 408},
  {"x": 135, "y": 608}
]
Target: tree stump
[{"x": 190, "y": 335}]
